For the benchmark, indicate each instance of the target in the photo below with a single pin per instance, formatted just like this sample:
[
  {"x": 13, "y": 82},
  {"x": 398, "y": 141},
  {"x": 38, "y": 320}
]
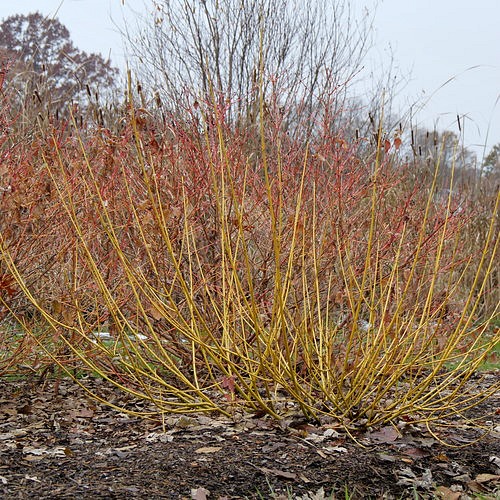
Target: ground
[{"x": 63, "y": 445}]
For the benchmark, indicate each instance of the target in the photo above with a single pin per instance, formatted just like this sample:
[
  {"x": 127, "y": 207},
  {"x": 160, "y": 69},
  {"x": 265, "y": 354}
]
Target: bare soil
[{"x": 64, "y": 445}]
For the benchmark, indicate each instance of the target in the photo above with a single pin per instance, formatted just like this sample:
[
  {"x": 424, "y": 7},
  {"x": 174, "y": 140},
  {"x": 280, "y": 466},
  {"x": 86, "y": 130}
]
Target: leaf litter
[{"x": 66, "y": 445}]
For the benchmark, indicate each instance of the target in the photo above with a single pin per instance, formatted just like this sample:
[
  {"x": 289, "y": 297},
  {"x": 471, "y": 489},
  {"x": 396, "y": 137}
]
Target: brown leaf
[
  {"x": 387, "y": 434},
  {"x": 335, "y": 449},
  {"x": 25, "y": 410},
  {"x": 155, "y": 313},
  {"x": 416, "y": 452},
  {"x": 486, "y": 478},
  {"x": 476, "y": 487},
  {"x": 279, "y": 473},
  {"x": 229, "y": 383},
  {"x": 68, "y": 452},
  {"x": 447, "y": 494},
  {"x": 200, "y": 494},
  {"x": 82, "y": 413},
  {"x": 208, "y": 449}
]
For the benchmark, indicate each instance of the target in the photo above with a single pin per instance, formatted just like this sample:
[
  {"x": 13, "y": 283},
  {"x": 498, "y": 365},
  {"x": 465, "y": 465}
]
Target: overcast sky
[{"x": 432, "y": 42}]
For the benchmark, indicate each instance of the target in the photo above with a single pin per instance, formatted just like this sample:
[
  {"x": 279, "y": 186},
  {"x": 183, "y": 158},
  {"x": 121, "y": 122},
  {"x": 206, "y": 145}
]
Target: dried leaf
[
  {"x": 406, "y": 477},
  {"x": 319, "y": 495},
  {"x": 387, "y": 434},
  {"x": 335, "y": 449},
  {"x": 15, "y": 433},
  {"x": 476, "y": 487},
  {"x": 155, "y": 313},
  {"x": 229, "y": 383},
  {"x": 82, "y": 413},
  {"x": 184, "y": 422},
  {"x": 427, "y": 442},
  {"x": 331, "y": 433},
  {"x": 279, "y": 473},
  {"x": 447, "y": 494},
  {"x": 200, "y": 494},
  {"x": 32, "y": 478},
  {"x": 486, "y": 478},
  {"x": 416, "y": 452},
  {"x": 208, "y": 449}
]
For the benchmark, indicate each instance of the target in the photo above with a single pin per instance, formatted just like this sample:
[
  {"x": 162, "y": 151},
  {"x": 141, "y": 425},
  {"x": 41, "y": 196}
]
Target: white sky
[{"x": 432, "y": 41}]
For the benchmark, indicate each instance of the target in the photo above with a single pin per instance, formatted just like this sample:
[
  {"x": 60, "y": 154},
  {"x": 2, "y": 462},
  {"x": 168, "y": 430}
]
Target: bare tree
[{"x": 300, "y": 55}]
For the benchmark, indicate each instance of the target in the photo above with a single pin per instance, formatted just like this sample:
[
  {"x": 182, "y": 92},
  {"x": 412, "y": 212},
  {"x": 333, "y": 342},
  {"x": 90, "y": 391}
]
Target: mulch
[{"x": 61, "y": 444}]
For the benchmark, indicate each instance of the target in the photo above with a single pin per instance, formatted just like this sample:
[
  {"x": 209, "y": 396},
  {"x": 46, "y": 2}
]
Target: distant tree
[
  {"x": 491, "y": 164},
  {"x": 43, "y": 62},
  {"x": 431, "y": 148}
]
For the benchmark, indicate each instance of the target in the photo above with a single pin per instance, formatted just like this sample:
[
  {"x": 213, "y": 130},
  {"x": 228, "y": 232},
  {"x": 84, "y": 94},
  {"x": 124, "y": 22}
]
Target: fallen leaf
[
  {"x": 476, "y": 487},
  {"x": 82, "y": 413},
  {"x": 278, "y": 473},
  {"x": 33, "y": 453},
  {"x": 426, "y": 480},
  {"x": 386, "y": 458},
  {"x": 331, "y": 433},
  {"x": 335, "y": 449},
  {"x": 407, "y": 472},
  {"x": 208, "y": 449},
  {"x": 200, "y": 494},
  {"x": 163, "y": 437},
  {"x": 30, "y": 450},
  {"x": 486, "y": 478},
  {"x": 155, "y": 313},
  {"x": 229, "y": 383},
  {"x": 387, "y": 434},
  {"x": 406, "y": 477},
  {"x": 319, "y": 495},
  {"x": 415, "y": 452},
  {"x": 32, "y": 478},
  {"x": 184, "y": 422},
  {"x": 25, "y": 410},
  {"x": 462, "y": 478},
  {"x": 13, "y": 434},
  {"x": 427, "y": 442},
  {"x": 447, "y": 494}
]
